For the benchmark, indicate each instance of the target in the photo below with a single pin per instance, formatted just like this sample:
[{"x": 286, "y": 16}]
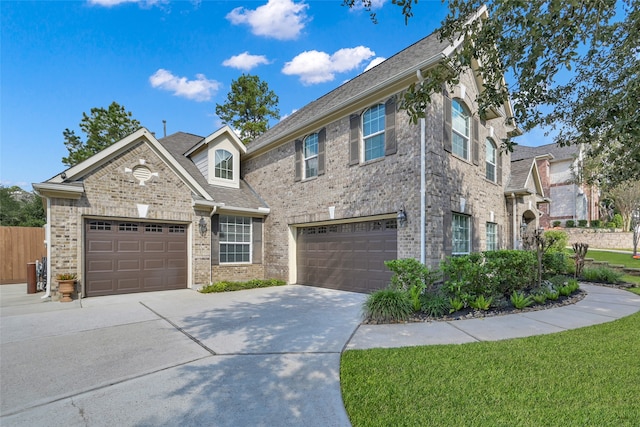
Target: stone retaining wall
[{"x": 598, "y": 238}]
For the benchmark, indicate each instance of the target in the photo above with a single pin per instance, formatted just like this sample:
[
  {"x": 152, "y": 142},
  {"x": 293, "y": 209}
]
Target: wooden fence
[{"x": 19, "y": 246}]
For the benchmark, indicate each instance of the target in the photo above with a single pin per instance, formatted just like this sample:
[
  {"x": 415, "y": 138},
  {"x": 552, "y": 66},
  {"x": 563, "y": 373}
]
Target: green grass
[
  {"x": 615, "y": 258},
  {"x": 583, "y": 377}
]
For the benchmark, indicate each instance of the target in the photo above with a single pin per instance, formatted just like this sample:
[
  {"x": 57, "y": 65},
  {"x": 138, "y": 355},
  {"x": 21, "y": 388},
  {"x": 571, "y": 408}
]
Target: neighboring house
[
  {"x": 558, "y": 168},
  {"x": 323, "y": 198}
]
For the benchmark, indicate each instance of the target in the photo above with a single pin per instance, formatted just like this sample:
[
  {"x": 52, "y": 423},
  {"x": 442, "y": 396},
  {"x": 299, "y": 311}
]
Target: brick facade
[
  {"x": 381, "y": 187},
  {"x": 111, "y": 192}
]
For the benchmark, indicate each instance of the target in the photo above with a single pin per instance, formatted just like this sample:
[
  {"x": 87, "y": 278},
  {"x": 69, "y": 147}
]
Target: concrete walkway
[
  {"x": 601, "y": 304},
  {"x": 263, "y": 357}
]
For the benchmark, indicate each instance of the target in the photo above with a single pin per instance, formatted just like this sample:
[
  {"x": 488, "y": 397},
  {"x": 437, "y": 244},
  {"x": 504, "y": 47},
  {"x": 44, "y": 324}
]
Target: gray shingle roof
[
  {"x": 244, "y": 197},
  {"x": 407, "y": 60},
  {"x": 559, "y": 153},
  {"x": 520, "y": 170}
]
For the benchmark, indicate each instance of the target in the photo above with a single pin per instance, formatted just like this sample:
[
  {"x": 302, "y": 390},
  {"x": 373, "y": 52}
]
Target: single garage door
[
  {"x": 348, "y": 257},
  {"x": 125, "y": 257}
]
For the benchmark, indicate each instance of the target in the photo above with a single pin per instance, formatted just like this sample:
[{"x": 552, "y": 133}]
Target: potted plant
[{"x": 66, "y": 285}]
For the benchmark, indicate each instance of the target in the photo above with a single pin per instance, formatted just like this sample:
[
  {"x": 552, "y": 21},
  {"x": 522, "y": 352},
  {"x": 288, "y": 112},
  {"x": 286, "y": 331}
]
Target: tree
[
  {"x": 103, "y": 128},
  {"x": 626, "y": 199},
  {"x": 537, "y": 42},
  {"x": 250, "y": 104},
  {"x": 20, "y": 208}
]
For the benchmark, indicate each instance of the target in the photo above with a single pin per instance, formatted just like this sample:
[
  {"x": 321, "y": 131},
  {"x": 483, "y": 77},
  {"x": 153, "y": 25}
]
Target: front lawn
[{"x": 583, "y": 377}]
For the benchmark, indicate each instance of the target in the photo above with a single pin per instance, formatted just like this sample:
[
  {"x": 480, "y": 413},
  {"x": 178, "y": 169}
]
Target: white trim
[{"x": 215, "y": 135}]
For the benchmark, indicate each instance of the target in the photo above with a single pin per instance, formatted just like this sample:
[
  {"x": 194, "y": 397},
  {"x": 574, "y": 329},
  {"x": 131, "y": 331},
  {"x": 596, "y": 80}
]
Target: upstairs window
[
  {"x": 373, "y": 132},
  {"x": 491, "y": 160},
  {"x": 224, "y": 165},
  {"x": 460, "y": 129},
  {"x": 310, "y": 153}
]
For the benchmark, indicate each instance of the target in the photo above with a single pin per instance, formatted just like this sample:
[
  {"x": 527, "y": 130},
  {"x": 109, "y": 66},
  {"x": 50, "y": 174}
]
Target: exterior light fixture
[
  {"x": 402, "y": 217},
  {"x": 202, "y": 225}
]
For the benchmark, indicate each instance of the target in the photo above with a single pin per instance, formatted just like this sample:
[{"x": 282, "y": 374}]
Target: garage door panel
[
  {"x": 100, "y": 246},
  {"x": 127, "y": 257},
  {"x": 348, "y": 257}
]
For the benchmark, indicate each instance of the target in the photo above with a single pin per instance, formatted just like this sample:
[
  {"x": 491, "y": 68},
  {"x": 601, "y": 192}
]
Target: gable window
[
  {"x": 491, "y": 160},
  {"x": 461, "y": 234},
  {"x": 373, "y": 132},
  {"x": 460, "y": 129},
  {"x": 310, "y": 153},
  {"x": 224, "y": 165},
  {"x": 235, "y": 239},
  {"x": 492, "y": 236}
]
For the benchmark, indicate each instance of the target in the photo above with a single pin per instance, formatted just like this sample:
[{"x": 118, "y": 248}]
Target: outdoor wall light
[
  {"x": 402, "y": 217},
  {"x": 203, "y": 226}
]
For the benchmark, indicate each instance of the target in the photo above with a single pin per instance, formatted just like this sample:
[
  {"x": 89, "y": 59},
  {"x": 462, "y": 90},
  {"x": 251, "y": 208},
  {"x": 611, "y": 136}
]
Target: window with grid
[
  {"x": 460, "y": 129},
  {"x": 491, "y": 160},
  {"x": 235, "y": 239},
  {"x": 310, "y": 153},
  {"x": 461, "y": 234},
  {"x": 373, "y": 132},
  {"x": 492, "y": 236},
  {"x": 224, "y": 164}
]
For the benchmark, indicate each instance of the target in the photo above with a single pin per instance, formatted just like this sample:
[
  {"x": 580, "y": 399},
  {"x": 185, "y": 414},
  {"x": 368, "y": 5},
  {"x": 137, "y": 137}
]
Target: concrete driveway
[{"x": 264, "y": 357}]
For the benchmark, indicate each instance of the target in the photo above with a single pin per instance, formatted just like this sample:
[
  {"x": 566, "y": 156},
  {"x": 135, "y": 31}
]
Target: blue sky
[{"x": 174, "y": 61}]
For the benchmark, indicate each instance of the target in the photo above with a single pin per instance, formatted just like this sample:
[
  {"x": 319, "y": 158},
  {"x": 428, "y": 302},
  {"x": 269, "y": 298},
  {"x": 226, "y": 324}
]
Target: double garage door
[
  {"x": 126, "y": 256},
  {"x": 348, "y": 257}
]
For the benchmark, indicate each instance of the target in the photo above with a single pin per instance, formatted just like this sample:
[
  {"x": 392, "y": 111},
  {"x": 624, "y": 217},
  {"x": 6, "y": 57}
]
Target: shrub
[
  {"x": 557, "y": 223},
  {"x": 560, "y": 240},
  {"x": 435, "y": 304},
  {"x": 552, "y": 294},
  {"x": 595, "y": 223},
  {"x": 611, "y": 224},
  {"x": 468, "y": 275},
  {"x": 554, "y": 263},
  {"x": 409, "y": 272},
  {"x": 617, "y": 219},
  {"x": 601, "y": 275},
  {"x": 513, "y": 270},
  {"x": 456, "y": 304},
  {"x": 582, "y": 222},
  {"x": 481, "y": 303},
  {"x": 387, "y": 306},
  {"x": 520, "y": 300},
  {"x": 539, "y": 298},
  {"x": 225, "y": 286},
  {"x": 569, "y": 223}
]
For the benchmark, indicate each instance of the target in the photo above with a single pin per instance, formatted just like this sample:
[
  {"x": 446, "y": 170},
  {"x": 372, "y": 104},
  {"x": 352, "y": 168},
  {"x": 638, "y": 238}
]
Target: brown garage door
[
  {"x": 349, "y": 257},
  {"x": 125, "y": 257}
]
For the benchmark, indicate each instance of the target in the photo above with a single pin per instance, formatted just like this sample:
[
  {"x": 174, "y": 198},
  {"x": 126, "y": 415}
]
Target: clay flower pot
[{"x": 66, "y": 286}]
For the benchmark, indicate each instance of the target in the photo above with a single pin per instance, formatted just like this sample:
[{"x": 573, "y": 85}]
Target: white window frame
[
  {"x": 228, "y": 161},
  {"x": 228, "y": 238},
  {"x": 461, "y": 234},
  {"x": 492, "y": 236},
  {"x": 309, "y": 157},
  {"x": 491, "y": 150},
  {"x": 373, "y": 132},
  {"x": 460, "y": 138}
]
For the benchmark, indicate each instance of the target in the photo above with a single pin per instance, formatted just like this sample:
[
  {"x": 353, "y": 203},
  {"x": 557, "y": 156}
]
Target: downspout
[
  {"x": 423, "y": 184},
  {"x": 514, "y": 221},
  {"x": 47, "y": 238}
]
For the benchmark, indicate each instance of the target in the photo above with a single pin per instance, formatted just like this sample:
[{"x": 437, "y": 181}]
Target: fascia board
[
  {"x": 225, "y": 129},
  {"x": 59, "y": 191},
  {"x": 236, "y": 209}
]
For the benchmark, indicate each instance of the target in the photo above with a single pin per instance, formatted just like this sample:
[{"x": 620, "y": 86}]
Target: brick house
[
  {"x": 322, "y": 198},
  {"x": 558, "y": 168}
]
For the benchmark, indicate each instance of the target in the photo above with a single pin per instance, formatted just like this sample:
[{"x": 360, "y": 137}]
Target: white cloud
[
  {"x": 200, "y": 89},
  {"x": 111, "y": 3},
  {"x": 245, "y": 61},
  {"x": 278, "y": 19},
  {"x": 375, "y": 62},
  {"x": 318, "y": 67}
]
